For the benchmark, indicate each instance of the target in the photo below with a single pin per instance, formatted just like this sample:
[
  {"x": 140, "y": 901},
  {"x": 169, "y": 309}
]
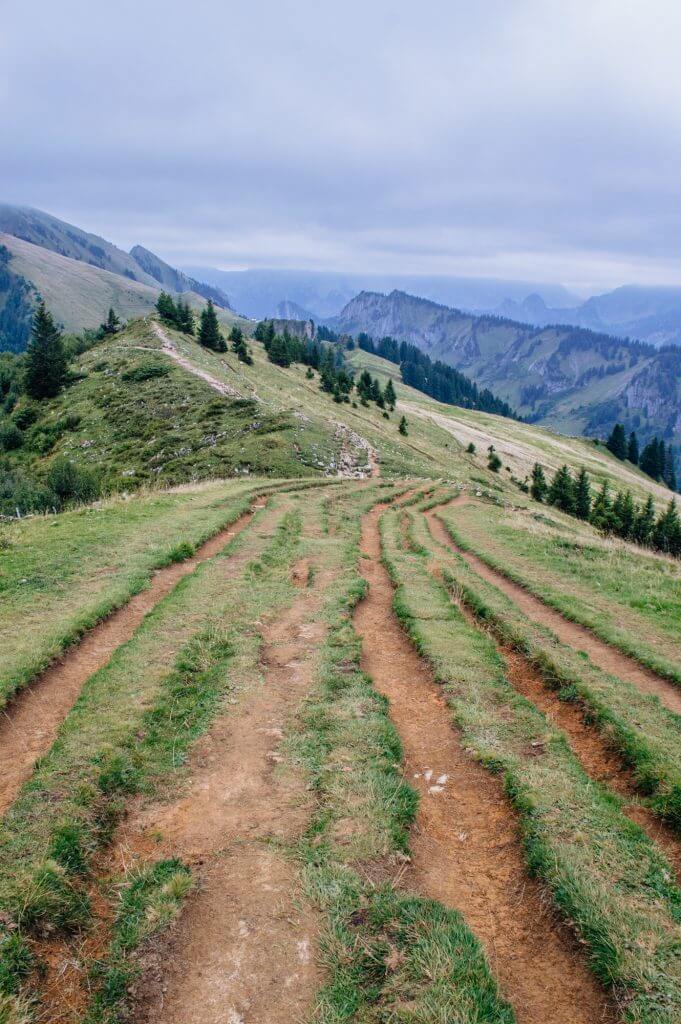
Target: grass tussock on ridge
[
  {"x": 602, "y": 871},
  {"x": 389, "y": 955}
]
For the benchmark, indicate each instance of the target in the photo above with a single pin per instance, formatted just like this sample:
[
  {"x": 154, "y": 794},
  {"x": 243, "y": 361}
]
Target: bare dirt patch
[
  {"x": 602, "y": 654},
  {"x": 466, "y": 851},
  {"x": 30, "y": 722}
]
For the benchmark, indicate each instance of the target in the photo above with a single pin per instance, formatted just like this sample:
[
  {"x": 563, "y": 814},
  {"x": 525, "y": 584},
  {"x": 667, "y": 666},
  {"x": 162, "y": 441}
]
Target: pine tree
[
  {"x": 111, "y": 325},
  {"x": 389, "y": 394},
  {"x": 617, "y": 442},
  {"x": 650, "y": 459},
  {"x": 45, "y": 357},
  {"x": 624, "y": 512},
  {"x": 470, "y": 448},
  {"x": 582, "y": 495},
  {"x": 667, "y": 530},
  {"x": 539, "y": 486},
  {"x": 209, "y": 330},
  {"x": 403, "y": 429},
  {"x": 493, "y": 461},
  {"x": 236, "y": 337},
  {"x": 277, "y": 351},
  {"x": 185, "y": 318},
  {"x": 166, "y": 309},
  {"x": 632, "y": 448},
  {"x": 645, "y": 522},
  {"x": 601, "y": 510},
  {"x": 669, "y": 468},
  {"x": 562, "y": 491}
]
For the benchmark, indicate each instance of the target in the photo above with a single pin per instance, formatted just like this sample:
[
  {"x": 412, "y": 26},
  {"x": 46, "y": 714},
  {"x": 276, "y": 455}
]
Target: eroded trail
[
  {"x": 602, "y": 654},
  {"x": 243, "y": 949},
  {"x": 30, "y": 722},
  {"x": 466, "y": 851}
]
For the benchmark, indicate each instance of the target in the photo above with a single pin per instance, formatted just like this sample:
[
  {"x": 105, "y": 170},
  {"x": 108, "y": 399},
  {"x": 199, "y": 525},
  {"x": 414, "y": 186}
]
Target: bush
[
  {"x": 26, "y": 416},
  {"x": 11, "y": 437},
  {"x": 72, "y": 483},
  {"x": 145, "y": 372}
]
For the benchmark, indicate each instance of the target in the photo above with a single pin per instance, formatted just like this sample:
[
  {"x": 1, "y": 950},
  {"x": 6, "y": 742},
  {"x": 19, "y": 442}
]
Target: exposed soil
[
  {"x": 169, "y": 348},
  {"x": 30, "y": 722},
  {"x": 243, "y": 949},
  {"x": 582, "y": 639},
  {"x": 601, "y": 761},
  {"x": 466, "y": 851}
]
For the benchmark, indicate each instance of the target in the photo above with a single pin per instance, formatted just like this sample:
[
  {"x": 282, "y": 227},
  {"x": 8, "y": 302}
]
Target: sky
[{"x": 525, "y": 139}]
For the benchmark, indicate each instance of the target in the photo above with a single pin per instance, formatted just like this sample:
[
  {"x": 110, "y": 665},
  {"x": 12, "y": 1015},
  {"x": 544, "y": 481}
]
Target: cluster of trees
[
  {"x": 436, "y": 379},
  {"x": 619, "y": 515},
  {"x": 177, "y": 314},
  {"x": 239, "y": 346},
  {"x": 327, "y": 358},
  {"x": 657, "y": 459}
]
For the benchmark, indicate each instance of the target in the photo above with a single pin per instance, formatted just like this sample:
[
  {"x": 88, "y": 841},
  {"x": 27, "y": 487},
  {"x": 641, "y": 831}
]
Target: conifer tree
[
  {"x": 403, "y": 427},
  {"x": 650, "y": 459},
  {"x": 539, "y": 486},
  {"x": 389, "y": 394},
  {"x": 493, "y": 461},
  {"x": 45, "y": 357},
  {"x": 166, "y": 309},
  {"x": 617, "y": 442},
  {"x": 582, "y": 495},
  {"x": 624, "y": 514},
  {"x": 645, "y": 522},
  {"x": 236, "y": 337},
  {"x": 667, "y": 530},
  {"x": 669, "y": 468},
  {"x": 209, "y": 330},
  {"x": 601, "y": 510},
  {"x": 562, "y": 491},
  {"x": 111, "y": 325},
  {"x": 185, "y": 317},
  {"x": 632, "y": 448}
]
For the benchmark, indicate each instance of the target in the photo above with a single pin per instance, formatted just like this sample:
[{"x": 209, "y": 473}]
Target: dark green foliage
[
  {"x": 539, "y": 486},
  {"x": 403, "y": 427},
  {"x": 436, "y": 379},
  {"x": 177, "y": 314},
  {"x": 632, "y": 448},
  {"x": 45, "y": 357},
  {"x": 72, "y": 484},
  {"x": 617, "y": 442},
  {"x": 645, "y": 522},
  {"x": 561, "y": 493},
  {"x": 236, "y": 337},
  {"x": 146, "y": 371},
  {"x": 470, "y": 448},
  {"x": 111, "y": 325},
  {"x": 278, "y": 351},
  {"x": 11, "y": 437},
  {"x": 582, "y": 495},
  {"x": 389, "y": 393},
  {"x": 210, "y": 335},
  {"x": 493, "y": 461},
  {"x": 16, "y": 308}
]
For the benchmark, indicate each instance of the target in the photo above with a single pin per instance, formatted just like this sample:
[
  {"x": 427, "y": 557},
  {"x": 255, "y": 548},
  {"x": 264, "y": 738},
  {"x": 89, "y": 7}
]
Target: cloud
[{"x": 533, "y": 139}]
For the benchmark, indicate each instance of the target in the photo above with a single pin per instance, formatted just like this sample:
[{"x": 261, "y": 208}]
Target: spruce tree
[
  {"x": 209, "y": 330},
  {"x": 236, "y": 337},
  {"x": 601, "y": 510},
  {"x": 493, "y": 461},
  {"x": 403, "y": 426},
  {"x": 45, "y": 357},
  {"x": 111, "y": 325},
  {"x": 617, "y": 442},
  {"x": 632, "y": 449},
  {"x": 645, "y": 522},
  {"x": 667, "y": 531},
  {"x": 562, "y": 491},
  {"x": 166, "y": 308},
  {"x": 539, "y": 486},
  {"x": 624, "y": 514},
  {"x": 650, "y": 459},
  {"x": 669, "y": 468},
  {"x": 185, "y": 318},
  {"x": 278, "y": 353},
  {"x": 389, "y": 394},
  {"x": 582, "y": 495}
]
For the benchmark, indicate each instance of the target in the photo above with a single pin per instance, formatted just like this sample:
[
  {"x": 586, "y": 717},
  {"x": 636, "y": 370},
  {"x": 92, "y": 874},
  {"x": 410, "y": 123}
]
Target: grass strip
[
  {"x": 390, "y": 956},
  {"x": 645, "y": 733},
  {"x": 606, "y": 877},
  {"x": 564, "y": 601}
]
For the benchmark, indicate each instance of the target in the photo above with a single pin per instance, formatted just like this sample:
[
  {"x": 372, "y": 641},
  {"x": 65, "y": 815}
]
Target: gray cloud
[{"x": 535, "y": 139}]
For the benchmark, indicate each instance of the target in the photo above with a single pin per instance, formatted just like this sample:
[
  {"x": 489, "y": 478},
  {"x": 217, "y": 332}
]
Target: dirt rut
[
  {"x": 582, "y": 639},
  {"x": 243, "y": 949},
  {"x": 30, "y": 722},
  {"x": 465, "y": 848}
]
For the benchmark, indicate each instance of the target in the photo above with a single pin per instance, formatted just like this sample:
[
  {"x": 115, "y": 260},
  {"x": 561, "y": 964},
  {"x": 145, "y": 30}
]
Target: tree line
[
  {"x": 657, "y": 460},
  {"x": 620, "y": 515},
  {"x": 178, "y": 314}
]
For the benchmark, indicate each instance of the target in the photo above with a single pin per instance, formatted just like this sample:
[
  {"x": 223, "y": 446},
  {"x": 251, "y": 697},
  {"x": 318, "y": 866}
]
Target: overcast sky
[{"x": 534, "y": 139}]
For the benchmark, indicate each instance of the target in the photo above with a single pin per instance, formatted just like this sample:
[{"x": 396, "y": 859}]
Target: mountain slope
[
  {"x": 573, "y": 379},
  {"x": 175, "y": 280}
]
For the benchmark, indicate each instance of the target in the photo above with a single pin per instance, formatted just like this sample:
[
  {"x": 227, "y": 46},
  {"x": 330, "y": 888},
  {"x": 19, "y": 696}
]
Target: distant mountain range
[
  {"x": 79, "y": 275},
  {"x": 575, "y": 380},
  {"x": 322, "y": 294},
  {"x": 646, "y": 314}
]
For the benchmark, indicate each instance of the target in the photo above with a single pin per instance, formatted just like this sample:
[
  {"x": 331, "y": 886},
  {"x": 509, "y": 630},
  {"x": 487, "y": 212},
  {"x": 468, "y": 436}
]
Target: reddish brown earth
[
  {"x": 598, "y": 759},
  {"x": 30, "y": 722},
  {"x": 466, "y": 851},
  {"x": 602, "y": 654}
]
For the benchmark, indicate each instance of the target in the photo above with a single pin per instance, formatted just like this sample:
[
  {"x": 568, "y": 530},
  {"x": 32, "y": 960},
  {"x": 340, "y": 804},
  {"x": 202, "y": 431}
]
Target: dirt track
[
  {"x": 30, "y": 722},
  {"x": 581, "y": 639},
  {"x": 465, "y": 850}
]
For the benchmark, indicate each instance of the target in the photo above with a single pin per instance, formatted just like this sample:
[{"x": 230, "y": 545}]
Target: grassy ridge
[
  {"x": 389, "y": 955},
  {"x": 645, "y": 733},
  {"x": 630, "y": 600},
  {"x": 602, "y": 871}
]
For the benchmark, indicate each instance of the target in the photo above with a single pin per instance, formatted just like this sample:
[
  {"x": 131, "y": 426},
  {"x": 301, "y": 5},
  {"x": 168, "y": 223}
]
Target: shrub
[
  {"x": 147, "y": 371},
  {"x": 11, "y": 437},
  {"x": 72, "y": 483}
]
